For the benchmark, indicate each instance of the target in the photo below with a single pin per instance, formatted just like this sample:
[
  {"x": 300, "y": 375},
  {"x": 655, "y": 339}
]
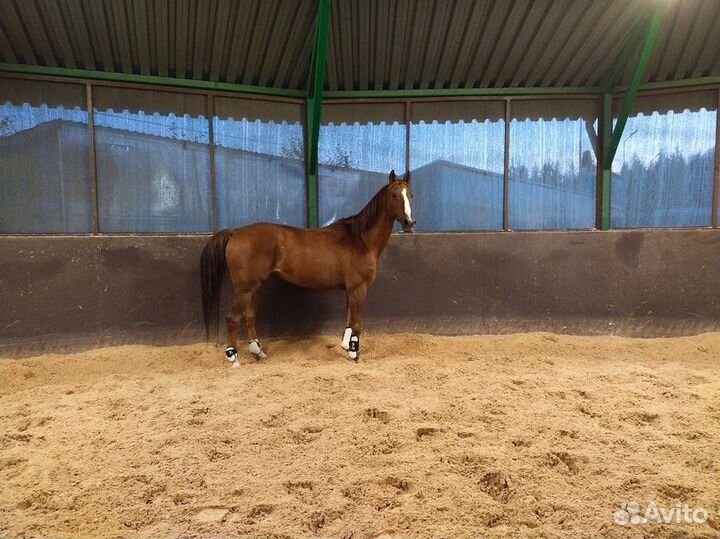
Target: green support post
[
  {"x": 314, "y": 108},
  {"x": 611, "y": 136},
  {"x": 635, "y": 82},
  {"x": 606, "y": 178}
]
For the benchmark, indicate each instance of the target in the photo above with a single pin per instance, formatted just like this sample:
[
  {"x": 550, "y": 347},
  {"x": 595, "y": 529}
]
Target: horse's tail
[{"x": 212, "y": 272}]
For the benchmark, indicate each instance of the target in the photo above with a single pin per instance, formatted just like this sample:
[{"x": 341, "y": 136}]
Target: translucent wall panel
[
  {"x": 44, "y": 172},
  {"x": 259, "y": 162},
  {"x": 359, "y": 145},
  {"x": 457, "y": 156},
  {"x": 553, "y": 163},
  {"x": 663, "y": 168},
  {"x": 153, "y": 161}
]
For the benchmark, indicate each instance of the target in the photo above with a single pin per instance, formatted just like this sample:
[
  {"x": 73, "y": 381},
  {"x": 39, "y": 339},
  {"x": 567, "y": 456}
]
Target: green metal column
[
  {"x": 314, "y": 108},
  {"x": 637, "y": 77},
  {"x": 606, "y": 179},
  {"x": 611, "y": 137}
]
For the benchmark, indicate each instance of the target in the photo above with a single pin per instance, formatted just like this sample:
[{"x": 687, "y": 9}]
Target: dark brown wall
[{"x": 66, "y": 293}]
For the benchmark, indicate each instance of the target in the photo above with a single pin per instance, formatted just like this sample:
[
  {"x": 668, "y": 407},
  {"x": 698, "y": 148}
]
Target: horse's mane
[{"x": 360, "y": 222}]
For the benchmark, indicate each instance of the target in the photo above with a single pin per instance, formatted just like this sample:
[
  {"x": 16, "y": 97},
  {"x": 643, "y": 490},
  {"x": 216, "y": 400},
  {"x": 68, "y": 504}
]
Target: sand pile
[{"x": 532, "y": 435}]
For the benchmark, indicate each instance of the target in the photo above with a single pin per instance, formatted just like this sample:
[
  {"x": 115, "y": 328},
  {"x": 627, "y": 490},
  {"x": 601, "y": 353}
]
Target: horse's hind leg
[
  {"x": 233, "y": 319},
  {"x": 249, "y": 314}
]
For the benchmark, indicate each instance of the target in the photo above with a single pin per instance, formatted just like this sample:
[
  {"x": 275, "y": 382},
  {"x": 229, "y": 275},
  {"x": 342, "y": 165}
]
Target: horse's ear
[
  {"x": 407, "y": 177},
  {"x": 392, "y": 176}
]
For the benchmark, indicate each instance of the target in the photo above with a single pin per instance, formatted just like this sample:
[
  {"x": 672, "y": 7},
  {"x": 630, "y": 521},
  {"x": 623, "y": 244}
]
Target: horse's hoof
[
  {"x": 235, "y": 364},
  {"x": 261, "y": 355},
  {"x": 353, "y": 356}
]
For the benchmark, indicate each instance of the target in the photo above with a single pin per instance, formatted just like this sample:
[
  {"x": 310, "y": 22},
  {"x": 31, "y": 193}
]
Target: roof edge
[
  {"x": 549, "y": 91},
  {"x": 25, "y": 69}
]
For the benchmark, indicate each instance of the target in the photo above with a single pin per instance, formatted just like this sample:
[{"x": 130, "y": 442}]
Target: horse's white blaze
[{"x": 408, "y": 209}]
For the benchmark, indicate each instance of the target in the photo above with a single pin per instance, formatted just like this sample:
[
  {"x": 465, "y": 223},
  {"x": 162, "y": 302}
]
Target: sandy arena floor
[{"x": 532, "y": 435}]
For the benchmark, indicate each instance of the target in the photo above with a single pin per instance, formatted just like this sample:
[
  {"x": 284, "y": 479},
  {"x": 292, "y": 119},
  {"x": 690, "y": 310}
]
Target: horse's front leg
[
  {"x": 356, "y": 304},
  {"x": 345, "y": 342}
]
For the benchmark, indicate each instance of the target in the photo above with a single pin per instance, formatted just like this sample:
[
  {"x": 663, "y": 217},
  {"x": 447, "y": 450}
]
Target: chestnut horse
[{"x": 343, "y": 255}]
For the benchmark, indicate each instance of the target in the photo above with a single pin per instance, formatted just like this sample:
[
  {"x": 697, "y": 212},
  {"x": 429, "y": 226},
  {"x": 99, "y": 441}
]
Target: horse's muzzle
[{"x": 408, "y": 225}]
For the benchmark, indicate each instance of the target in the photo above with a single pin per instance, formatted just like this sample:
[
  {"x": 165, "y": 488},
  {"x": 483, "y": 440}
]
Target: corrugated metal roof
[
  {"x": 689, "y": 42},
  {"x": 257, "y": 42},
  {"x": 514, "y": 43},
  {"x": 373, "y": 44}
]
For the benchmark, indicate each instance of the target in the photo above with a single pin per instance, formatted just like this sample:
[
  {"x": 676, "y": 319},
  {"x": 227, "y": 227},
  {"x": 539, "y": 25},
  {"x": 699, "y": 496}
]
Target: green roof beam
[
  {"x": 462, "y": 92},
  {"x": 635, "y": 83},
  {"x": 630, "y": 49},
  {"x": 680, "y": 83},
  {"x": 149, "y": 79},
  {"x": 86, "y": 75}
]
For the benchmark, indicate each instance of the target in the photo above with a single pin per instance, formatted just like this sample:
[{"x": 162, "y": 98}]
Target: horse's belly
[
  {"x": 309, "y": 278},
  {"x": 311, "y": 271},
  {"x": 312, "y": 281}
]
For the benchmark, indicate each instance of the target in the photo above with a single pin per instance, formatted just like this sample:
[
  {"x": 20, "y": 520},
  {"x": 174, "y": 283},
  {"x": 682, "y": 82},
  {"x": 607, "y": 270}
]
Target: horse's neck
[{"x": 377, "y": 235}]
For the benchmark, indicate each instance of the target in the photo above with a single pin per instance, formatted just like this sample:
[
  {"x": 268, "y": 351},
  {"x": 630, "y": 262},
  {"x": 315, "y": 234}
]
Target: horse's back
[{"x": 261, "y": 237}]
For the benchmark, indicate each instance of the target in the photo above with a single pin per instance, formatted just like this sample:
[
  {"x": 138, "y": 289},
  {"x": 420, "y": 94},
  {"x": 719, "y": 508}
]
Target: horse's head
[{"x": 400, "y": 200}]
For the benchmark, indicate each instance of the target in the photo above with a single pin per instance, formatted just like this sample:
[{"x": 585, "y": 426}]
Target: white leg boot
[
  {"x": 256, "y": 349},
  {"x": 354, "y": 347},
  {"x": 345, "y": 343},
  {"x": 232, "y": 356}
]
